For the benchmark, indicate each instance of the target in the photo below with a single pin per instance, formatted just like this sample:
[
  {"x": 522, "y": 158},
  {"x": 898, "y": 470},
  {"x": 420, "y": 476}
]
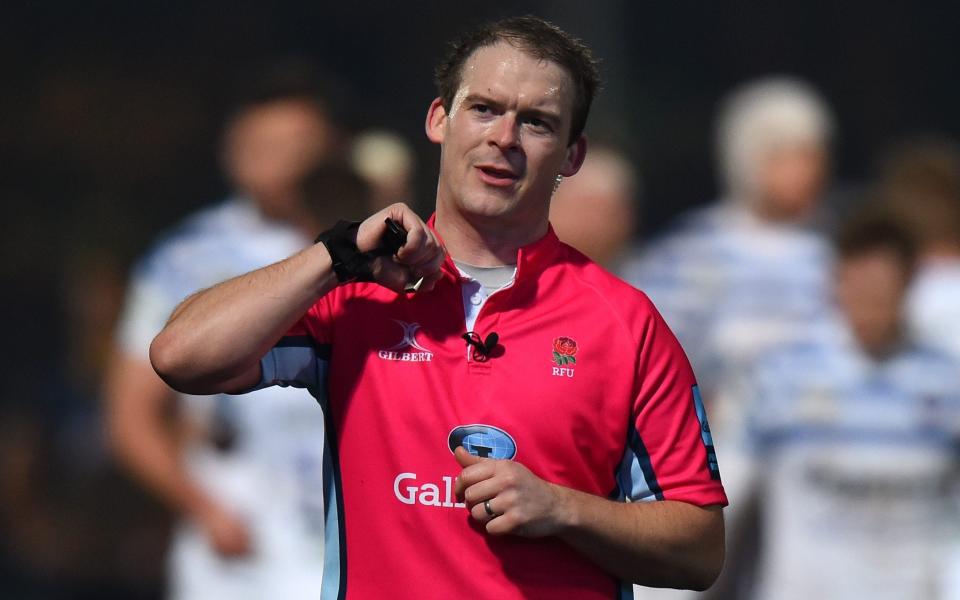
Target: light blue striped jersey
[
  {"x": 857, "y": 468},
  {"x": 272, "y": 477},
  {"x": 731, "y": 285}
]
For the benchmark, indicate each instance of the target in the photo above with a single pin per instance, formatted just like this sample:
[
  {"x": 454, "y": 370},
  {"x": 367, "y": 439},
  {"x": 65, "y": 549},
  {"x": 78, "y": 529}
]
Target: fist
[{"x": 419, "y": 258}]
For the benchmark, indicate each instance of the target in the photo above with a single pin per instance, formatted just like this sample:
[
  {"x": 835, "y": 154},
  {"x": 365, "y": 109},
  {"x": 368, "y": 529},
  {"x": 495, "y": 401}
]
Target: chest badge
[
  {"x": 564, "y": 356},
  {"x": 408, "y": 349}
]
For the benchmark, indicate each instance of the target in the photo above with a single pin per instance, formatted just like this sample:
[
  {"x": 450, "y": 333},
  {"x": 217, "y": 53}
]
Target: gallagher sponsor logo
[{"x": 480, "y": 440}]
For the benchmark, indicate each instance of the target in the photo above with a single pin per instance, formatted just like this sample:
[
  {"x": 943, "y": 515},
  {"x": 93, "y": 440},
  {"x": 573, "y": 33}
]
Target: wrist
[
  {"x": 566, "y": 510},
  {"x": 348, "y": 262}
]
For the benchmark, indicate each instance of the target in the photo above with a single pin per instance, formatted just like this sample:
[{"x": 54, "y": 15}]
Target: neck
[{"x": 484, "y": 241}]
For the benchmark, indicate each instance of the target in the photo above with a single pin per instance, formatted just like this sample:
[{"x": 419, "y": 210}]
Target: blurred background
[{"x": 111, "y": 130}]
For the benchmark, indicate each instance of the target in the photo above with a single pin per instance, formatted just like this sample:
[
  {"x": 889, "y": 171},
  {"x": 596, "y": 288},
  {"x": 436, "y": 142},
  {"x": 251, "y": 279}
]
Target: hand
[
  {"x": 227, "y": 534},
  {"x": 523, "y": 503},
  {"x": 421, "y": 256}
]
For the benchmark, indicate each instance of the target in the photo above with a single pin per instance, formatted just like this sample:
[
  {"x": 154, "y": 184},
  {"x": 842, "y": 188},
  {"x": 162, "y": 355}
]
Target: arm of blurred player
[
  {"x": 137, "y": 403},
  {"x": 215, "y": 338},
  {"x": 656, "y": 544}
]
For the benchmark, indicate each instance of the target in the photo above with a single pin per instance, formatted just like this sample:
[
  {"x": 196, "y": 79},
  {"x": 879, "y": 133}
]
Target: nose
[{"x": 505, "y": 132}]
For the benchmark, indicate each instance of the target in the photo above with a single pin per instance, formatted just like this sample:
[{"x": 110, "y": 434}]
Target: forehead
[{"x": 512, "y": 74}]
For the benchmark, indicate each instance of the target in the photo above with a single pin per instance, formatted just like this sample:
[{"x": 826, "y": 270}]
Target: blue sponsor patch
[{"x": 485, "y": 441}]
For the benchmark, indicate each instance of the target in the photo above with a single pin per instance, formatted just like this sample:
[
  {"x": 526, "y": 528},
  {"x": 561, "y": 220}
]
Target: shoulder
[{"x": 596, "y": 286}]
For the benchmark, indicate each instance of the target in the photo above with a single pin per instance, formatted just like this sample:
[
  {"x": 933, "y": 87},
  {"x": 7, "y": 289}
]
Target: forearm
[
  {"x": 656, "y": 544},
  {"x": 217, "y": 336},
  {"x": 136, "y": 403}
]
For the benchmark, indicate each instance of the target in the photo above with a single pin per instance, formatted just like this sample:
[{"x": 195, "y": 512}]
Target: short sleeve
[
  {"x": 670, "y": 453},
  {"x": 301, "y": 357}
]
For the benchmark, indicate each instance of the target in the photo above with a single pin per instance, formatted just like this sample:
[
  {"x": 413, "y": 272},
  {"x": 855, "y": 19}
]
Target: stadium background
[{"x": 110, "y": 118}]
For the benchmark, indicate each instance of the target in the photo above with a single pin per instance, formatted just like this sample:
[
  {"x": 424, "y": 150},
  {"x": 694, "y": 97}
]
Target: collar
[{"x": 531, "y": 259}]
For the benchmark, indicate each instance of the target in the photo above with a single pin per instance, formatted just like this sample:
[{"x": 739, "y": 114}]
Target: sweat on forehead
[{"x": 536, "y": 38}]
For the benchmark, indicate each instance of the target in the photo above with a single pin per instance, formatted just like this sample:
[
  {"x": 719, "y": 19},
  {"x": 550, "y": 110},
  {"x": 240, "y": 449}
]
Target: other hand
[
  {"x": 421, "y": 256},
  {"x": 522, "y": 503}
]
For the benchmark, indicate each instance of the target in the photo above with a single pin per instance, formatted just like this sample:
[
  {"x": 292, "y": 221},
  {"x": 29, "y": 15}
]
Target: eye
[
  {"x": 480, "y": 108},
  {"x": 539, "y": 125}
]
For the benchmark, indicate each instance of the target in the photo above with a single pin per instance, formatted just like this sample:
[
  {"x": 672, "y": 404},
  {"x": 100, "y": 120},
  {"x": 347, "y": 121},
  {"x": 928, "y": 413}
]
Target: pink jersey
[{"x": 587, "y": 388}]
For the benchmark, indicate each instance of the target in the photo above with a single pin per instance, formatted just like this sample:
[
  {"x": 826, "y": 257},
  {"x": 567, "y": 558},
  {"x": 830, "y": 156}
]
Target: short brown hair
[
  {"x": 877, "y": 229},
  {"x": 540, "y": 39}
]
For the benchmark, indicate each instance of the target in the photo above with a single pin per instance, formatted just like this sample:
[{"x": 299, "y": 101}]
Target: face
[
  {"x": 594, "y": 211},
  {"x": 504, "y": 139},
  {"x": 871, "y": 289},
  {"x": 269, "y": 148},
  {"x": 791, "y": 180}
]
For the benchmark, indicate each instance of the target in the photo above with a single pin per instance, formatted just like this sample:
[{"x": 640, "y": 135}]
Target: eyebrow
[{"x": 555, "y": 118}]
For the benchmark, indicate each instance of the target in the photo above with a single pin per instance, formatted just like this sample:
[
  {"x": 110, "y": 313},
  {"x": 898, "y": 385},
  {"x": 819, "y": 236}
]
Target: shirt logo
[
  {"x": 564, "y": 354},
  {"x": 477, "y": 439},
  {"x": 485, "y": 441},
  {"x": 403, "y": 350}
]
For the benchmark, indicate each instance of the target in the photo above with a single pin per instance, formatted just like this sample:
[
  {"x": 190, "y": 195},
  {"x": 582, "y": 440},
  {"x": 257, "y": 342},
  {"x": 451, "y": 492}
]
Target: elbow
[
  {"x": 709, "y": 566},
  {"x": 704, "y": 579},
  {"x": 170, "y": 363}
]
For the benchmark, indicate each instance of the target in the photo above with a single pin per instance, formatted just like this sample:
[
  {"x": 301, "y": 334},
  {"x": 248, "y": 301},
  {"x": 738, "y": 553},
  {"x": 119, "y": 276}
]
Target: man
[
  {"x": 921, "y": 182},
  {"x": 749, "y": 271},
  {"x": 213, "y": 465},
  {"x": 595, "y": 212},
  {"x": 424, "y": 499},
  {"x": 853, "y": 433}
]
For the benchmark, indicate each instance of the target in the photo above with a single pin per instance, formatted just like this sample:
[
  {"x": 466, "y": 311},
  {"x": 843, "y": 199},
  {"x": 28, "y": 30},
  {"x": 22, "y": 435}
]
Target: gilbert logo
[
  {"x": 564, "y": 354},
  {"x": 408, "y": 349}
]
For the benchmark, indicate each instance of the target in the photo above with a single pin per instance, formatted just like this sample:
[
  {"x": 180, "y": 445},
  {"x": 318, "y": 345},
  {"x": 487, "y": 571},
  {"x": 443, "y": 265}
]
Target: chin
[{"x": 487, "y": 205}]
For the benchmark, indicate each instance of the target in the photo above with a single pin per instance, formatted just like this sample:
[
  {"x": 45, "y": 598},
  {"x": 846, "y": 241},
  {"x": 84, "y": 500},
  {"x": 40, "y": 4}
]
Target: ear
[
  {"x": 576, "y": 152},
  {"x": 436, "y": 122}
]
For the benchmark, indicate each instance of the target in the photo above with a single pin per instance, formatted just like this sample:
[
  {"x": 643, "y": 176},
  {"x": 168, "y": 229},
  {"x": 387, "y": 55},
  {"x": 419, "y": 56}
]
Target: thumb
[{"x": 465, "y": 458}]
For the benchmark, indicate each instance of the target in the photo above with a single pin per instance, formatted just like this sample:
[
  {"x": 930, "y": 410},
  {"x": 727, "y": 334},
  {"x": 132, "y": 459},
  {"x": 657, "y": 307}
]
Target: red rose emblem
[{"x": 564, "y": 351}]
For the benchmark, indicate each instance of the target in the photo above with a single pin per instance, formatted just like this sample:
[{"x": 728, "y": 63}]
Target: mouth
[{"x": 497, "y": 176}]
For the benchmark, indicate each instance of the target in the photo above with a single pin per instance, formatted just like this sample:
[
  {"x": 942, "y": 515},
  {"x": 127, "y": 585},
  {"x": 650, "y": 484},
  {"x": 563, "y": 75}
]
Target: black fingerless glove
[{"x": 349, "y": 263}]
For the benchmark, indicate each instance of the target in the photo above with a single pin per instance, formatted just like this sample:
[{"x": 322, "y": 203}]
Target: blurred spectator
[
  {"x": 594, "y": 211},
  {"x": 921, "y": 182},
  {"x": 749, "y": 271},
  {"x": 246, "y": 477},
  {"x": 386, "y": 161},
  {"x": 854, "y": 432}
]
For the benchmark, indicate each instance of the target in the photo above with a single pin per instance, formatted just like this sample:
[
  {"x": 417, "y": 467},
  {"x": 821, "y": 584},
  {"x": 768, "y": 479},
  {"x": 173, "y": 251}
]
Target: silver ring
[{"x": 490, "y": 513}]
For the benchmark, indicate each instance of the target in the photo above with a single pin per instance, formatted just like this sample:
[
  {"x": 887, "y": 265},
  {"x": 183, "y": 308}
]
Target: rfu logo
[
  {"x": 405, "y": 349},
  {"x": 564, "y": 356}
]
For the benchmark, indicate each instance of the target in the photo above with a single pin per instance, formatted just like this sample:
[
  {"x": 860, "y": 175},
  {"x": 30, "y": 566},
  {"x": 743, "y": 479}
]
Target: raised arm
[{"x": 214, "y": 340}]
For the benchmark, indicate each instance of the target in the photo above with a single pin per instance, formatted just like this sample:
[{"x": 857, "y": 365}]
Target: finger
[
  {"x": 390, "y": 274},
  {"x": 502, "y": 525},
  {"x": 479, "y": 512},
  {"x": 421, "y": 248},
  {"x": 464, "y": 458},
  {"x": 478, "y": 492}
]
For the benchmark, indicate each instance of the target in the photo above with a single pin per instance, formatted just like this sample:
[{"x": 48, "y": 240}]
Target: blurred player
[
  {"x": 854, "y": 432},
  {"x": 245, "y": 477},
  {"x": 595, "y": 212},
  {"x": 386, "y": 161},
  {"x": 748, "y": 271},
  {"x": 922, "y": 184}
]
